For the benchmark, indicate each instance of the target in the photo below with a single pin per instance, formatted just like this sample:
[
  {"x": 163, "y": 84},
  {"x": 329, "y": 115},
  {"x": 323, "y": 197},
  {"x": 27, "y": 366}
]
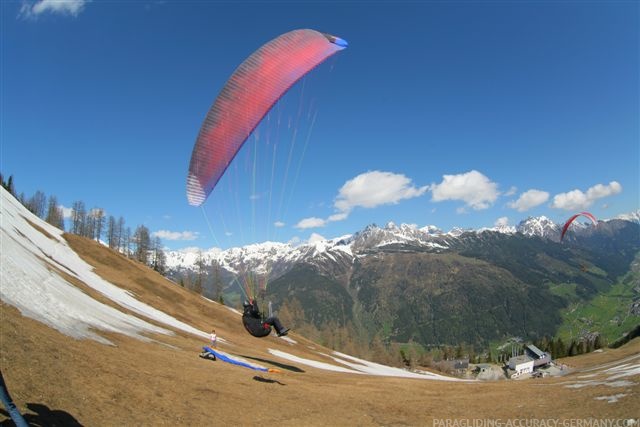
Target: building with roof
[
  {"x": 520, "y": 365},
  {"x": 540, "y": 358}
]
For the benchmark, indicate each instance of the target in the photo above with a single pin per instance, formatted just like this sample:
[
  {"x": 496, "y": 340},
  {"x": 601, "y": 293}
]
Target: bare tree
[
  {"x": 97, "y": 219},
  {"x": 89, "y": 229},
  {"x": 159, "y": 259},
  {"x": 78, "y": 218},
  {"x": 38, "y": 204},
  {"x": 142, "y": 242},
  {"x": 217, "y": 282},
  {"x": 200, "y": 273},
  {"x": 55, "y": 216},
  {"x": 112, "y": 241},
  {"x": 120, "y": 235},
  {"x": 126, "y": 241}
]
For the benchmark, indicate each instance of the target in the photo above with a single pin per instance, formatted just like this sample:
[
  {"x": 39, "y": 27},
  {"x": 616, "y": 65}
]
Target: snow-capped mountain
[
  {"x": 539, "y": 226},
  {"x": 276, "y": 258},
  {"x": 632, "y": 217}
]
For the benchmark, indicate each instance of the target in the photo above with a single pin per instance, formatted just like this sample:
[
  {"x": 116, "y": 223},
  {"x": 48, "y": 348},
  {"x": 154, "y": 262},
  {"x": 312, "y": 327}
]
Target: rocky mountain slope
[{"x": 403, "y": 283}]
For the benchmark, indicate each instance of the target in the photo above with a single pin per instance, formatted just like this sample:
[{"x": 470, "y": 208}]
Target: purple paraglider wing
[{"x": 248, "y": 95}]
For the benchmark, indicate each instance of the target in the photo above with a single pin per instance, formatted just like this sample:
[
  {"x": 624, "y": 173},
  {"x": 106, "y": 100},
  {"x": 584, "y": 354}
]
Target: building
[
  {"x": 520, "y": 365},
  {"x": 540, "y": 358}
]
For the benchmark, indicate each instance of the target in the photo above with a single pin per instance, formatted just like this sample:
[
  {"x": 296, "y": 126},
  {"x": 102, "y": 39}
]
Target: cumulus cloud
[
  {"x": 375, "y": 188},
  {"x": 175, "y": 235},
  {"x": 513, "y": 190},
  {"x": 279, "y": 224},
  {"x": 476, "y": 190},
  {"x": 66, "y": 212},
  {"x": 31, "y": 9},
  {"x": 367, "y": 190},
  {"x": 315, "y": 237},
  {"x": 503, "y": 221},
  {"x": 312, "y": 222},
  {"x": 529, "y": 199},
  {"x": 338, "y": 217},
  {"x": 576, "y": 199}
]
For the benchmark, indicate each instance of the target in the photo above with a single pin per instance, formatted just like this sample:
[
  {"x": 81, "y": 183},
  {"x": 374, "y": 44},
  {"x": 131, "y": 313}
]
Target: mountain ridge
[
  {"x": 252, "y": 257},
  {"x": 512, "y": 273}
]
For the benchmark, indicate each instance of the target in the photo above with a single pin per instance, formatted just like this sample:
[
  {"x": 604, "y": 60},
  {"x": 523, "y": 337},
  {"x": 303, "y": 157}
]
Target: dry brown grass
[{"x": 57, "y": 380}]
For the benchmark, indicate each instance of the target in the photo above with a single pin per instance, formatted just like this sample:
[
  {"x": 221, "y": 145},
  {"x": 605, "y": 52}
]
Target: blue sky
[{"x": 451, "y": 114}]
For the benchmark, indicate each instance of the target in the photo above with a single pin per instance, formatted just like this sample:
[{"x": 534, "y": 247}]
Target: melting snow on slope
[
  {"x": 610, "y": 375},
  {"x": 358, "y": 366},
  {"x": 30, "y": 261}
]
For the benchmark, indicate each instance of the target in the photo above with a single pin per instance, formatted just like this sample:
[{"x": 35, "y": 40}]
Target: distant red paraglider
[{"x": 570, "y": 220}]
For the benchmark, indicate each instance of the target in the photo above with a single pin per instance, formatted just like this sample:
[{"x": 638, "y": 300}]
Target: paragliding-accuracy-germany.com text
[{"x": 536, "y": 422}]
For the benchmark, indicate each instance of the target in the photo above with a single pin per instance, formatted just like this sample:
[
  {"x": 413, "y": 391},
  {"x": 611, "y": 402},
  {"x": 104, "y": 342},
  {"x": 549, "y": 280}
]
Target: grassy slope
[
  {"x": 606, "y": 313},
  {"x": 55, "y": 379}
]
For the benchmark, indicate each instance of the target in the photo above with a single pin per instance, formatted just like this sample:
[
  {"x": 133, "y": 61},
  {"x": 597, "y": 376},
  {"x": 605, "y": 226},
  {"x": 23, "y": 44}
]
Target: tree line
[
  {"x": 96, "y": 225},
  {"x": 557, "y": 348},
  {"x": 206, "y": 279}
]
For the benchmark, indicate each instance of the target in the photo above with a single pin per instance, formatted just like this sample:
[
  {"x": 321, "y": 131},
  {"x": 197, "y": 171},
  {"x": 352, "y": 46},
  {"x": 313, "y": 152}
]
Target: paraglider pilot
[{"x": 256, "y": 325}]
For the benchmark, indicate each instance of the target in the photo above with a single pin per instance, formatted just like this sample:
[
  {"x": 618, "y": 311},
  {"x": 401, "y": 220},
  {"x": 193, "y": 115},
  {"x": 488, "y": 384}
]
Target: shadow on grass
[
  {"x": 42, "y": 416},
  {"x": 266, "y": 380},
  {"x": 279, "y": 365}
]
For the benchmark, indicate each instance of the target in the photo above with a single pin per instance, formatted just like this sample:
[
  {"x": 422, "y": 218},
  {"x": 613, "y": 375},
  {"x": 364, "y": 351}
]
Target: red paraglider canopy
[
  {"x": 570, "y": 220},
  {"x": 248, "y": 95}
]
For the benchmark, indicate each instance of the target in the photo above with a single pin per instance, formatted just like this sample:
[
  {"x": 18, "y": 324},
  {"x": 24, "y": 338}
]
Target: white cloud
[
  {"x": 279, "y": 224},
  {"x": 376, "y": 188},
  {"x": 367, "y": 190},
  {"x": 338, "y": 217},
  {"x": 66, "y": 212},
  {"x": 295, "y": 241},
  {"x": 599, "y": 191},
  {"x": 576, "y": 199},
  {"x": 312, "y": 222},
  {"x": 473, "y": 188},
  {"x": 315, "y": 237},
  {"x": 529, "y": 199},
  {"x": 175, "y": 235},
  {"x": 63, "y": 7},
  {"x": 513, "y": 190},
  {"x": 501, "y": 222}
]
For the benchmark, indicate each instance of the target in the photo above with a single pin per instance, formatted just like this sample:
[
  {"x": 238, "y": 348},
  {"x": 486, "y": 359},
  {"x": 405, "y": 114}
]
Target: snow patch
[
  {"x": 358, "y": 366},
  {"x": 31, "y": 267},
  {"x": 611, "y": 399}
]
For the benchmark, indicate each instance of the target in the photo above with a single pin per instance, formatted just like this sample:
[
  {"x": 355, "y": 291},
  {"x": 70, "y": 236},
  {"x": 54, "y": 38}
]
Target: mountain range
[
  {"x": 409, "y": 284},
  {"x": 277, "y": 258}
]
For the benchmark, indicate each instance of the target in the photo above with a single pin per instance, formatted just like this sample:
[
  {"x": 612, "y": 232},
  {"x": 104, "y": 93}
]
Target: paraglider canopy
[
  {"x": 251, "y": 91},
  {"x": 570, "y": 220}
]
